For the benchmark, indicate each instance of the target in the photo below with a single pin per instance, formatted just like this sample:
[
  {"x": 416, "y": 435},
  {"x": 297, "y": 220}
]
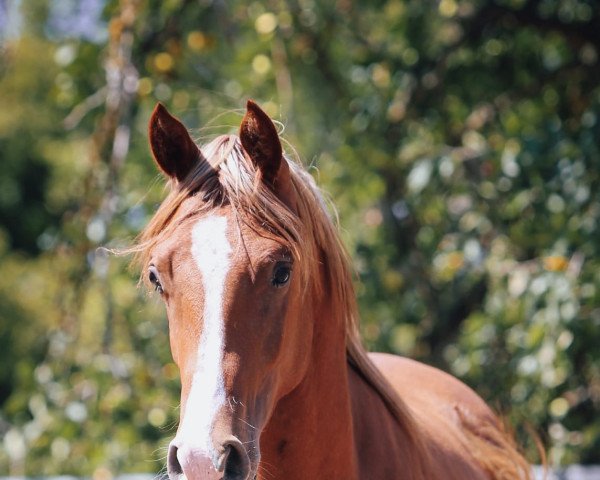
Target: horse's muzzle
[{"x": 232, "y": 463}]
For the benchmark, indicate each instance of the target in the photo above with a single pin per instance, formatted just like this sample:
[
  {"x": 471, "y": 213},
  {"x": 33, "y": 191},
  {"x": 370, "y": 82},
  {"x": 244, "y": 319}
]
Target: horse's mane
[{"x": 310, "y": 233}]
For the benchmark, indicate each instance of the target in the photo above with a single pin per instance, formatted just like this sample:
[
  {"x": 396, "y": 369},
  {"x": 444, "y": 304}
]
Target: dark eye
[
  {"x": 153, "y": 278},
  {"x": 281, "y": 274}
]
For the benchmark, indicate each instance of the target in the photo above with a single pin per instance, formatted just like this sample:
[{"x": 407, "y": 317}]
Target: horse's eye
[
  {"x": 281, "y": 274},
  {"x": 154, "y": 280}
]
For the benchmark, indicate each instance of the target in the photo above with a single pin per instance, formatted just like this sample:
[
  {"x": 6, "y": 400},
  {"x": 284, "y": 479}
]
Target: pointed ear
[
  {"x": 172, "y": 147},
  {"x": 260, "y": 140}
]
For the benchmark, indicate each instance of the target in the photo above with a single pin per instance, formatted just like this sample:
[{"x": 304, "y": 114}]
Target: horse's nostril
[
  {"x": 173, "y": 465},
  {"x": 232, "y": 464},
  {"x": 237, "y": 464}
]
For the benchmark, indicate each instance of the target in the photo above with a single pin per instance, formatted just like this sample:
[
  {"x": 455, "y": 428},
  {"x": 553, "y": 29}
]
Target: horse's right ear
[{"x": 173, "y": 149}]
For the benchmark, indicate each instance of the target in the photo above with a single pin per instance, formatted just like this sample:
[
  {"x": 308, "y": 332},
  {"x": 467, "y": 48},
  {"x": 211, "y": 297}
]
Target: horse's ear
[
  {"x": 260, "y": 140},
  {"x": 172, "y": 147}
]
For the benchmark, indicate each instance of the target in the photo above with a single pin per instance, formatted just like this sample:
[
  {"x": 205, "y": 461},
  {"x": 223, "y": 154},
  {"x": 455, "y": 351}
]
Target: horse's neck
[{"x": 310, "y": 434}]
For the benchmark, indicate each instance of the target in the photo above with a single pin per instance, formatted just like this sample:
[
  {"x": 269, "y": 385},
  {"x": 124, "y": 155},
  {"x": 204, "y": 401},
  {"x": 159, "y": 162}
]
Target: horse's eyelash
[{"x": 281, "y": 259}]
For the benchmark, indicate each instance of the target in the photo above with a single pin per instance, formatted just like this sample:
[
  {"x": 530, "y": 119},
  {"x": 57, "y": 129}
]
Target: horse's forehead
[
  {"x": 223, "y": 225},
  {"x": 210, "y": 238},
  {"x": 210, "y": 230}
]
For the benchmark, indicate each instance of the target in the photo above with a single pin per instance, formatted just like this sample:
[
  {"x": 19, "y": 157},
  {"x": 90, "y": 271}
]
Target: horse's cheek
[
  {"x": 183, "y": 336},
  {"x": 295, "y": 344}
]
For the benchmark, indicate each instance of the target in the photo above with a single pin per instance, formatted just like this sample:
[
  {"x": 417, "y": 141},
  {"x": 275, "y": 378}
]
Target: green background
[{"x": 459, "y": 141}]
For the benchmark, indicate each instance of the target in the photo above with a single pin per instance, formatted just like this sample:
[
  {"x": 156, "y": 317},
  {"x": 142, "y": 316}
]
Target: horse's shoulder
[
  {"x": 424, "y": 387},
  {"x": 436, "y": 401},
  {"x": 440, "y": 404}
]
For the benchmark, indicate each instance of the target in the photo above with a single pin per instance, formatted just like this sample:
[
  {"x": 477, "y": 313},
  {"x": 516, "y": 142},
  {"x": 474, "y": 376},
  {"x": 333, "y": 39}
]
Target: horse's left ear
[
  {"x": 172, "y": 147},
  {"x": 260, "y": 140}
]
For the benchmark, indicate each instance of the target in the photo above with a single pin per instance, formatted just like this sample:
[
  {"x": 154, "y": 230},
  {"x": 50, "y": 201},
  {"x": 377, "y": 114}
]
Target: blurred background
[{"x": 459, "y": 140}]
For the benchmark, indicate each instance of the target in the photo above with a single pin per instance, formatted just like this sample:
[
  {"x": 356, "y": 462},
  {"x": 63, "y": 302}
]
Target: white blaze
[{"x": 210, "y": 250}]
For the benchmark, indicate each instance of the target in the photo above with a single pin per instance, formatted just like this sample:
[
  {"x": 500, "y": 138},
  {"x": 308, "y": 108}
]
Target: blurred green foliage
[{"x": 458, "y": 139}]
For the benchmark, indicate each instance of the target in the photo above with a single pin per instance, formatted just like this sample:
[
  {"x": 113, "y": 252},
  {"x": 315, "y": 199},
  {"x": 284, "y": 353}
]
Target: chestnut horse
[{"x": 263, "y": 324}]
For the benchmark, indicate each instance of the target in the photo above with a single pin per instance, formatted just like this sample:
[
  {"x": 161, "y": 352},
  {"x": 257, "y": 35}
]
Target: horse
[{"x": 264, "y": 328}]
